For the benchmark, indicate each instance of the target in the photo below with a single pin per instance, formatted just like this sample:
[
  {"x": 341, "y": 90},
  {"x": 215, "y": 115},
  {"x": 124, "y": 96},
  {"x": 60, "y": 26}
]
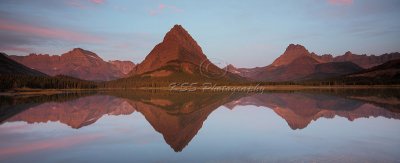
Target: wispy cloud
[
  {"x": 340, "y": 2},
  {"x": 47, "y": 32},
  {"x": 15, "y": 48},
  {"x": 98, "y": 1},
  {"x": 50, "y": 144},
  {"x": 84, "y": 4},
  {"x": 76, "y": 4},
  {"x": 163, "y": 8}
]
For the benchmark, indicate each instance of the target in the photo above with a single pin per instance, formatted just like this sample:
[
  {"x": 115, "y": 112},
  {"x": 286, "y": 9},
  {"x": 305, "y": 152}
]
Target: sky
[{"x": 243, "y": 33}]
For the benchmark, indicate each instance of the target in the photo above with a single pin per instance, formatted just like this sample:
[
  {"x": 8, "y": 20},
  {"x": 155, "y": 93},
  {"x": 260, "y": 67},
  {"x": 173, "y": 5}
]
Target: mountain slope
[
  {"x": 177, "y": 45},
  {"x": 366, "y": 61},
  {"x": 388, "y": 70},
  {"x": 77, "y": 63},
  {"x": 179, "y": 55},
  {"x": 244, "y": 72},
  {"x": 124, "y": 66},
  {"x": 384, "y": 74},
  {"x": 292, "y": 53},
  {"x": 294, "y": 64},
  {"x": 10, "y": 67},
  {"x": 14, "y": 75},
  {"x": 333, "y": 69},
  {"x": 297, "y": 63},
  {"x": 297, "y": 69}
]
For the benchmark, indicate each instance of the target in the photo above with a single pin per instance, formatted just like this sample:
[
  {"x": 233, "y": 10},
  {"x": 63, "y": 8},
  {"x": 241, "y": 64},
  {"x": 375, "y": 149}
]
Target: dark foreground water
[{"x": 311, "y": 126}]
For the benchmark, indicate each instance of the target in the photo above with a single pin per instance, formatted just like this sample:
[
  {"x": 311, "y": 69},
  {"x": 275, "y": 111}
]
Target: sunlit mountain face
[{"x": 182, "y": 126}]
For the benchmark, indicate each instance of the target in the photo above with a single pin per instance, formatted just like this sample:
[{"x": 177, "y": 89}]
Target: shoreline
[{"x": 21, "y": 92}]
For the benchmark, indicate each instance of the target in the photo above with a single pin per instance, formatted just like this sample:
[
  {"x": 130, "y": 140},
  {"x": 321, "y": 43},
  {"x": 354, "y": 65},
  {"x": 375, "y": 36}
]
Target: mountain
[
  {"x": 297, "y": 64},
  {"x": 292, "y": 53},
  {"x": 387, "y": 73},
  {"x": 76, "y": 63},
  {"x": 384, "y": 74},
  {"x": 366, "y": 61},
  {"x": 294, "y": 64},
  {"x": 14, "y": 75},
  {"x": 299, "y": 68},
  {"x": 177, "y": 45},
  {"x": 178, "y": 54},
  {"x": 244, "y": 72},
  {"x": 333, "y": 69},
  {"x": 124, "y": 66},
  {"x": 389, "y": 69},
  {"x": 10, "y": 67}
]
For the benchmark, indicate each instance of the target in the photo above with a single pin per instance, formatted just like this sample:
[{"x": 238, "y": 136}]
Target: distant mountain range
[
  {"x": 390, "y": 69},
  {"x": 387, "y": 73},
  {"x": 297, "y": 64},
  {"x": 179, "y": 56},
  {"x": 14, "y": 75},
  {"x": 77, "y": 63}
]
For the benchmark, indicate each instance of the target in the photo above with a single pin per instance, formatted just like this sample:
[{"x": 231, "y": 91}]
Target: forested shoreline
[
  {"x": 12, "y": 82},
  {"x": 8, "y": 82}
]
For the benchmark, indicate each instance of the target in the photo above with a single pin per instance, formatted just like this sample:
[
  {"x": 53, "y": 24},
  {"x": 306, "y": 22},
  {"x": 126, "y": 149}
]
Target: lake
[{"x": 160, "y": 126}]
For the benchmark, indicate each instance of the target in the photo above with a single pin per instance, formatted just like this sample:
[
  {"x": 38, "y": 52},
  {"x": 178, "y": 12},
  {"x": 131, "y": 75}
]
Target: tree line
[
  {"x": 43, "y": 82},
  {"x": 65, "y": 82}
]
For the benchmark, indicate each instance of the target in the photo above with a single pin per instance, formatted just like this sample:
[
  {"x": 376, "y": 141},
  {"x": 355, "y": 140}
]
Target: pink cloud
[
  {"x": 51, "y": 144},
  {"x": 340, "y": 2},
  {"x": 161, "y": 6},
  {"x": 84, "y": 4},
  {"x": 164, "y": 8},
  {"x": 98, "y": 1},
  {"x": 56, "y": 33},
  {"x": 77, "y": 4},
  {"x": 15, "y": 48}
]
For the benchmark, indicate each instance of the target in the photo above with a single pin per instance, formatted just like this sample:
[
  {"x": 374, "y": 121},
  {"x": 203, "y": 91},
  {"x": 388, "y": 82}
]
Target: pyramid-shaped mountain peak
[
  {"x": 178, "y": 30},
  {"x": 296, "y": 49},
  {"x": 177, "y": 45},
  {"x": 179, "y": 54},
  {"x": 293, "y": 51},
  {"x": 178, "y": 35}
]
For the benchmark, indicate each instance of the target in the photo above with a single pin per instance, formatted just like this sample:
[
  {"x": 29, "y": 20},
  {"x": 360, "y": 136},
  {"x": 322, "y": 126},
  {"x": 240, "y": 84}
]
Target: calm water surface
[{"x": 312, "y": 126}]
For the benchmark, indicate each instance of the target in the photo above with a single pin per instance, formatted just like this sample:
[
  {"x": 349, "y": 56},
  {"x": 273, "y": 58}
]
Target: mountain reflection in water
[{"x": 179, "y": 116}]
